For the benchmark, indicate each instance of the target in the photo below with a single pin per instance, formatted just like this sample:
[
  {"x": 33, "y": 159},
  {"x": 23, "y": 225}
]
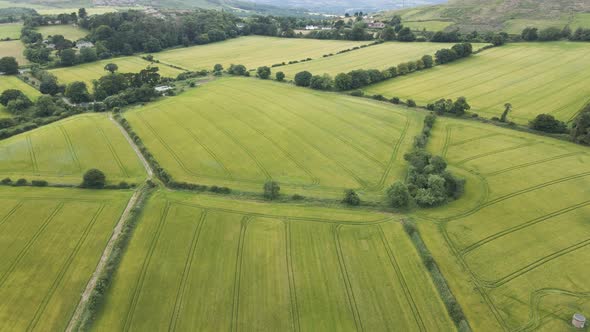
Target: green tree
[
  {"x": 111, "y": 67},
  {"x": 67, "y": 57},
  {"x": 218, "y": 67},
  {"x": 239, "y": 70},
  {"x": 82, "y": 13},
  {"x": 77, "y": 92},
  {"x": 351, "y": 198},
  {"x": 343, "y": 82},
  {"x": 548, "y": 123},
  {"x": 272, "y": 190},
  {"x": 303, "y": 78},
  {"x": 10, "y": 95},
  {"x": 406, "y": 35},
  {"x": 399, "y": 196},
  {"x": 94, "y": 179},
  {"x": 263, "y": 72},
  {"x": 280, "y": 76},
  {"x": 428, "y": 61},
  {"x": 388, "y": 34},
  {"x": 507, "y": 109},
  {"x": 460, "y": 106},
  {"x": 88, "y": 54},
  {"x": 323, "y": 82},
  {"x": 581, "y": 126},
  {"x": 8, "y": 65}
]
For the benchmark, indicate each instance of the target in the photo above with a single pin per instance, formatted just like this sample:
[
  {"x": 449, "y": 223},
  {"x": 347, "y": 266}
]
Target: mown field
[
  {"x": 248, "y": 52},
  {"x": 51, "y": 241},
  {"x": 551, "y": 78},
  {"x": 239, "y": 133},
  {"x": 10, "y": 30},
  {"x": 92, "y": 71},
  {"x": 515, "y": 248},
  {"x": 13, "y": 48},
  {"x": 61, "y": 152},
  {"x": 380, "y": 57},
  {"x": 70, "y": 32},
  {"x": 199, "y": 263}
]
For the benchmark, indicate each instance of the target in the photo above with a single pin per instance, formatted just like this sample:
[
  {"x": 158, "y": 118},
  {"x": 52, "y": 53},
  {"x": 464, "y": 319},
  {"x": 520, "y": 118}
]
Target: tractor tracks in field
[{"x": 238, "y": 273}]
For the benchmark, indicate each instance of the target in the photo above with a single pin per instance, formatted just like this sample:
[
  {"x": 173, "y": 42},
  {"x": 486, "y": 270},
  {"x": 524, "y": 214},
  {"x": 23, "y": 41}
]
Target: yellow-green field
[
  {"x": 248, "y": 52},
  {"x": 381, "y": 57},
  {"x": 535, "y": 78},
  {"x": 92, "y": 71},
  {"x": 10, "y": 30},
  {"x": 13, "y": 82},
  {"x": 515, "y": 248},
  {"x": 13, "y": 48},
  {"x": 239, "y": 133},
  {"x": 433, "y": 25},
  {"x": 198, "y": 263},
  {"x": 63, "y": 151},
  {"x": 51, "y": 241},
  {"x": 70, "y": 32}
]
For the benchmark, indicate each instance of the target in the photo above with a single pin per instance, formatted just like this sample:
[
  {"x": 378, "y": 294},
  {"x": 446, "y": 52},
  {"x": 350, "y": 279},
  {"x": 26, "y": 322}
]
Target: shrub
[
  {"x": 263, "y": 72},
  {"x": 297, "y": 197},
  {"x": 124, "y": 185},
  {"x": 548, "y": 124},
  {"x": 21, "y": 182},
  {"x": 321, "y": 82},
  {"x": 280, "y": 76},
  {"x": 411, "y": 103},
  {"x": 395, "y": 100},
  {"x": 351, "y": 198},
  {"x": 94, "y": 179},
  {"x": 357, "y": 93},
  {"x": 39, "y": 183},
  {"x": 6, "y": 181},
  {"x": 271, "y": 190}
]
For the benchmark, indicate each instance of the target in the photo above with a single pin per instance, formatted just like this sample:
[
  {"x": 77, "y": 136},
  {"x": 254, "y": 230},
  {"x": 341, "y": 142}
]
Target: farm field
[
  {"x": 51, "y": 241},
  {"x": 61, "y": 152},
  {"x": 12, "y": 82},
  {"x": 511, "y": 248},
  {"x": 535, "y": 78},
  {"x": 239, "y": 133},
  {"x": 433, "y": 25},
  {"x": 247, "y": 51},
  {"x": 256, "y": 266},
  {"x": 13, "y": 48},
  {"x": 379, "y": 57},
  {"x": 70, "y": 32},
  {"x": 92, "y": 71},
  {"x": 10, "y": 30}
]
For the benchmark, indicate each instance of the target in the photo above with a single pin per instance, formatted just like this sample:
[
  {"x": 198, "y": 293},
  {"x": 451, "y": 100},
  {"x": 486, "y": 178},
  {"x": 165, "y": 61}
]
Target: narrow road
[{"x": 145, "y": 163}]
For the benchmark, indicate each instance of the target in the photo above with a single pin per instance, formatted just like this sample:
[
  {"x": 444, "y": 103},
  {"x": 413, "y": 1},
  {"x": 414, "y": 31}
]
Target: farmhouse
[{"x": 163, "y": 88}]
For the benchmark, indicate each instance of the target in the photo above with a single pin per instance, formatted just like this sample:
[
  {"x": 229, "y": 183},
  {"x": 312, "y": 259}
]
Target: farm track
[
  {"x": 491, "y": 153},
  {"x": 41, "y": 308},
  {"x": 537, "y": 296},
  {"x": 144, "y": 162},
  {"x": 238, "y": 273},
  {"x": 10, "y": 213},
  {"x": 71, "y": 148},
  {"x": 394, "y": 155},
  {"x": 32, "y": 154},
  {"x": 538, "y": 162},
  {"x": 291, "y": 275}
]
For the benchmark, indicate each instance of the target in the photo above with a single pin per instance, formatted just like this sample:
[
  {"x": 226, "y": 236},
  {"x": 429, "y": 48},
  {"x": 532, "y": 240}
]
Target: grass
[
  {"x": 255, "y": 266},
  {"x": 380, "y": 57},
  {"x": 63, "y": 151},
  {"x": 433, "y": 25},
  {"x": 239, "y": 133},
  {"x": 51, "y": 241},
  {"x": 516, "y": 26},
  {"x": 89, "y": 10},
  {"x": 14, "y": 48},
  {"x": 13, "y": 82},
  {"x": 70, "y": 32},
  {"x": 95, "y": 70},
  {"x": 247, "y": 51},
  {"x": 10, "y": 30},
  {"x": 511, "y": 248},
  {"x": 535, "y": 78}
]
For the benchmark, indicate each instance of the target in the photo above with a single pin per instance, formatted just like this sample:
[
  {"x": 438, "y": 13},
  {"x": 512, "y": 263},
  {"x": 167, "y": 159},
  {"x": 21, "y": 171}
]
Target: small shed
[{"x": 579, "y": 321}]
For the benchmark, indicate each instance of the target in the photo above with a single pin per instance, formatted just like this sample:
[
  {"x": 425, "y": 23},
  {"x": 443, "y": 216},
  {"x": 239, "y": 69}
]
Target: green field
[
  {"x": 70, "y": 32},
  {"x": 13, "y": 82},
  {"x": 517, "y": 25},
  {"x": 514, "y": 248},
  {"x": 51, "y": 241},
  {"x": 434, "y": 25},
  {"x": 13, "y": 48},
  {"x": 63, "y": 151},
  {"x": 92, "y": 71},
  {"x": 198, "y": 263},
  {"x": 240, "y": 133},
  {"x": 89, "y": 10},
  {"x": 535, "y": 78},
  {"x": 248, "y": 52},
  {"x": 10, "y": 30},
  {"x": 379, "y": 57}
]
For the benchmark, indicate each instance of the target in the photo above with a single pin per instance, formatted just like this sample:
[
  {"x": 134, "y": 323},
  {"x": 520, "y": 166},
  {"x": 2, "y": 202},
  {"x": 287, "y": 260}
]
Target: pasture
[
  {"x": 13, "y": 48},
  {"x": 434, "y": 25},
  {"x": 551, "y": 78},
  {"x": 61, "y": 152},
  {"x": 10, "y": 30},
  {"x": 92, "y": 71},
  {"x": 70, "y": 32},
  {"x": 202, "y": 263},
  {"x": 51, "y": 241},
  {"x": 248, "y": 52},
  {"x": 382, "y": 56},
  {"x": 239, "y": 133},
  {"x": 513, "y": 249}
]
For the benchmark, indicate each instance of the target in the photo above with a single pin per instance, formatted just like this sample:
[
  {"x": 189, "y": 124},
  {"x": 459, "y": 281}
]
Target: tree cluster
[
  {"x": 8, "y": 65},
  {"x": 555, "y": 33},
  {"x": 456, "y": 52},
  {"x": 581, "y": 127},
  {"x": 549, "y": 124},
  {"x": 448, "y": 106}
]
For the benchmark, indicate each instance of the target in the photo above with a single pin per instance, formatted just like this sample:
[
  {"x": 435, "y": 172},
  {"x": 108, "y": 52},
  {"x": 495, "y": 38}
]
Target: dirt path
[{"x": 145, "y": 163}]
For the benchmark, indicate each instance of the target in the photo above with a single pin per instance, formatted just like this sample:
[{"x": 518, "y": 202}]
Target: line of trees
[{"x": 555, "y": 33}]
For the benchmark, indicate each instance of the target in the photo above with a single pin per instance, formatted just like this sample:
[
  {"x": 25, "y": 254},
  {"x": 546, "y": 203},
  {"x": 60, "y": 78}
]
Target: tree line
[{"x": 554, "y": 34}]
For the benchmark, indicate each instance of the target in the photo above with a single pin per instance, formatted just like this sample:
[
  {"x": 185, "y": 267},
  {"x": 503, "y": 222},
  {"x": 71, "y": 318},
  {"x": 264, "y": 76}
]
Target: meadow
[
  {"x": 92, "y": 71},
  {"x": 239, "y": 133},
  {"x": 247, "y": 51},
  {"x": 51, "y": 241},
  {"x": 379, "y": 57},
  {"x": 12, "y": 82},
  {"x": 513, "y": 249},
  {"x": 13, "y": 48},
  {"x": 551, "y": 78},
  {"x": 10, "y": 30},
  {"x": 61, "y": 152},
  {"x": 70, "y": 32},
  {"x": 203, "y": 263}
]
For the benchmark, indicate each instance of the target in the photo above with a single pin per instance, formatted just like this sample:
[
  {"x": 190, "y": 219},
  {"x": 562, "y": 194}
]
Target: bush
[
  {"x": 351, "y": 198},
  {"x": 280, "y": 76},
  {"x": 297, "y": 197},
  {"x": 39, "y": 183},
  {"x": 303, "y": 78},
  {"x": 395, "y": 100},
  {"x": 94, "y": 179},
  {"x": 321, "y": 82},
  {"x": 411, "y": 103},
  {"x": 357, "y": 93},
  {"x": 6, "y": 181},
  {"x": 271, "y": 190},
  {"x": 548, "y": 124},
  {"x": 20, "y": 182},
  {"x": 263, "y": 72}
]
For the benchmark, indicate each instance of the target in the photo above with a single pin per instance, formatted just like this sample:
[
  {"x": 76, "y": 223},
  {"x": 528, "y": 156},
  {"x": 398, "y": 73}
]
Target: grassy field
[
  {"x": 380, "y": 57},
  {"x": 89, "y": 10},
  {"x": 95, "y": 70},
  {"x": 434, "y": 25},
  {"x": 517, "y": 25},
  {"x": 247, "y": 51},
  {"x": 70, "y": 32},
  {"x": 10, "y": 30},
  {"x": 13, "y": 48},
  {"x": 513, "y": 248},
  {"x": 63, "y": 151},
  {"x": 535, "y": 78},
  {"x": 51, "y": 241},
  {"x": 199, "y": 263},
  {"x": 242, "y": 132},
  {"x": 12, "y": 82}
]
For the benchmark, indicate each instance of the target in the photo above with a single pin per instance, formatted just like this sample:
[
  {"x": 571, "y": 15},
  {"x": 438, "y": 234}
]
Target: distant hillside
[
  {"x": 350, "y": 6},
  {"x": 508, "y": 15}
]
